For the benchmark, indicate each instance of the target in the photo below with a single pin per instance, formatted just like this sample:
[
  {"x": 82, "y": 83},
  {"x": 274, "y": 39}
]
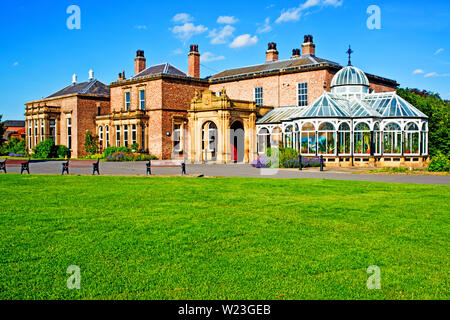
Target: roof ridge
[{"x": 93, "y": 81}]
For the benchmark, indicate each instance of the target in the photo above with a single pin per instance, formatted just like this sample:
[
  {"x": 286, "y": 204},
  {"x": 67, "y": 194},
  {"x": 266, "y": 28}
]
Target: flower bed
[{"x": 129, "y": 157}]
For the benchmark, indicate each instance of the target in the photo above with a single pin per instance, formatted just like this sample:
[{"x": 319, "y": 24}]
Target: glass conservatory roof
[
  {"x": 350, "y": 76},
  {"x": 280, "y": 114},
  {"x": 393, "y": 106},
  {"x": 329, "y": 106}
]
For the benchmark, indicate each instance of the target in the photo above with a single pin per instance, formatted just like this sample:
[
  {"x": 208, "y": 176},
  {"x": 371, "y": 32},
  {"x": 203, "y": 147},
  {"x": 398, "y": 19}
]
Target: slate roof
[
  {"x": 164, "y": 68},
  {"x": 303, "y": 61},
  {"x": 15, "y": 123},
  {"x": 93, "y": 87}
]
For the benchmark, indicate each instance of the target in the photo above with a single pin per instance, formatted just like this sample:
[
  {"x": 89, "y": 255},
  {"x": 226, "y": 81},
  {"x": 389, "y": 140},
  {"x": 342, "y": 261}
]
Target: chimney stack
[
  {"x": 272, "y": 52},
  {"x": 296, "y": 53},
  {"x": 194, "y": 62},
  {"x": 308, "y": 46},
  {"x": 139, "y": 62},
  {"x": 74, "y": 79},
  {"x": 91, "y": 75}
]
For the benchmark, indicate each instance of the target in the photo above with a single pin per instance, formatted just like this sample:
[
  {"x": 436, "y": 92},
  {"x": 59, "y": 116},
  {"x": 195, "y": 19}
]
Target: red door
[{"x": 233, "y": 153}]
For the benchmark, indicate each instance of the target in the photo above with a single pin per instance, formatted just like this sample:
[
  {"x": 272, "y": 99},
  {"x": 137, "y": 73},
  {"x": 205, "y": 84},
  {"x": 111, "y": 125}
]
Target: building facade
[{"x": 221, "y": 119}]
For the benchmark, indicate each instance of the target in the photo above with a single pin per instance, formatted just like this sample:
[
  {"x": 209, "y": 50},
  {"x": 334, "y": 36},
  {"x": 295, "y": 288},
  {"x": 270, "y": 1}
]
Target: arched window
[
  {"x": 308, "y": 134},
  {"x": 209, "y": 137},
  {"x": 100, "y": 136},
  {"x": 424, "y": 139},
  {"x": 412, "y": 139},
  {"x": 327, "y": 139},
  {"x": 263, "y": 140},
  {"x": 362, "y": 139},
  {"x": 377, "y": 139},
  {"x": 296, "y": 137},
  {"x": 392, "y": 139},
  {"x": 288, "y": 137},
  {"x": 344, "y": 138}
]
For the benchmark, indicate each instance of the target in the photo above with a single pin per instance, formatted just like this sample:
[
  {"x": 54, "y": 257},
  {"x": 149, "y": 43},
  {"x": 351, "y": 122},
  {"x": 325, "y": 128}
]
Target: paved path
[{"x": 138, "y": 168}]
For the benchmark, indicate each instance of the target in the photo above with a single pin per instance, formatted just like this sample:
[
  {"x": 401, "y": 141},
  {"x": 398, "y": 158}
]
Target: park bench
[
  {"x": 23, "y": 164},
  {"x": 166, "y": 164},
  {"x": 94, "y": 164}
]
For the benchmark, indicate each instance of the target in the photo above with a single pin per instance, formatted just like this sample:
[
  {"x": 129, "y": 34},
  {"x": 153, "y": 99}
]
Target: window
[
  {"x": 35, "y": 132},
  {"x": 133, "y": 134},
  {"x": 362, "y": 139},
  {"x": 69, "y": 133},
  {"x": 263, "y": 140},
  {"x": 100, "y": 136},
  {"x": 377, "y": 139},
  {"x": 30, "y": 131},
  {"x": 143, "y": 137},
  {"x": 412, "y": 139},
  {"x": 344, "y": 139},
  {"x": 288, "y": 137},
  {"x": 107, "y": 136},
  {"x": 127, "y": 100},
  {"x": 259, "y": 96},
  {"x": 302, "y": 93},
  {"x": 308, "y": 142},
  {"x": 392, "y": 139},
  {"x": 142, "y": 99},
  {"x": 424, "y": 139},
  {"x": 327, "y": 139},
  {"x": 42, "y": 129},
  {"x": 117, "y": 136},
  {"x": 177, "y": 138},
  {"x": 53, "y": 129},
  {"x": 125, "y": 135}
]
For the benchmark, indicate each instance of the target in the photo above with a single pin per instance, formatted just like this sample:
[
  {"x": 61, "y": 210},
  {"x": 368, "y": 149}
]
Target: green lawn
[{"x": 225, "y": 238}]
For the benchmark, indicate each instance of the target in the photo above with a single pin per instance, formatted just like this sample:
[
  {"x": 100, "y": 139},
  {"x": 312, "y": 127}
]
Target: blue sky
[{"x": 39, "y": 53}]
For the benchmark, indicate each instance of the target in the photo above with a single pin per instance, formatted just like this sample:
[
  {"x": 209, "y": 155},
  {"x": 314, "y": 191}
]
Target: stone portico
[{"x": 223, "y": 130}]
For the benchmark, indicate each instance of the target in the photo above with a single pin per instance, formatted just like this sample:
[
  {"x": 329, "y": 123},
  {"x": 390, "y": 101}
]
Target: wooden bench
[
  {"x": 23, "y": 164},
  {"x": 81, "y": 164},
  {"x": 166, "y": 164}
]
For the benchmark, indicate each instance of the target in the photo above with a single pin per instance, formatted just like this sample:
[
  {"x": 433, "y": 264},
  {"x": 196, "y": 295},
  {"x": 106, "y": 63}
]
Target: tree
[
  {"x": 2, "y": 129},
  {"x": 91, "y": 143},
  {"x": 438, "y": 112}
]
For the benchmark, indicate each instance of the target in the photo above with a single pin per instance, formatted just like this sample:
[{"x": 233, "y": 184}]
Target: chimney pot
[
  {"x": 308, "y": 46},
  {"x": 91, "y": 74},
  {"x": 194, "y": 62},
  {"x": 272, "y": 52},
  {"x": 74, "y": 79},
  {"x": 139, "y": 62},
  {"x": 296, "y": 53}
]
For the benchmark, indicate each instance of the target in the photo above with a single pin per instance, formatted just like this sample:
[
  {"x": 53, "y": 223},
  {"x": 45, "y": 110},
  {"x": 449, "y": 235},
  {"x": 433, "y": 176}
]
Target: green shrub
[
  {"x": 93, "y": 156},
  {"x": 15, "y": 146},
  {"x": 129, "y": 157},
  {"x": 110, "y": 150},
  {"x": 45, "y": 149},
  {"x": 135, "y": 147},
  {"x": 62, "y": 152},
  {"x": 439, "y": 163},
  {"x": 91, "y": 143},
  {"x": 286, "y": 155}
]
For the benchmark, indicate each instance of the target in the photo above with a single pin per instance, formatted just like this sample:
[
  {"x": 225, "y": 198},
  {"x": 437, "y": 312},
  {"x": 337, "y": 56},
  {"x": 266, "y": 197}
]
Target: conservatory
[{"x": 350, "y": 126}]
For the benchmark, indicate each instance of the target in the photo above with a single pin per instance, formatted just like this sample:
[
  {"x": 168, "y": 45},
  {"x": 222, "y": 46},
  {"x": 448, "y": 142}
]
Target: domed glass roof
[{"x": 350, "y": 76}]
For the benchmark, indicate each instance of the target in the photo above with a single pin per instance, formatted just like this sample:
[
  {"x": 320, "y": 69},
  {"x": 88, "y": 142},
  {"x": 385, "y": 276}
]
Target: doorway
[{"x": 237, "y": 140}]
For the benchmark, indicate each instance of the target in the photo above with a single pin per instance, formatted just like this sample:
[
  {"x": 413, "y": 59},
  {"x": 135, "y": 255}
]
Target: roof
[
  {"x": 350, "y": 76},
  {"x": 376, "y": 105},
  {"x": 93, "y": 87},
  {"x": 305, "y": 60},
  {"x": 164, "y": 68},
  {"x": 392, "y": 106},
  {"x": 14, "y": 123}
]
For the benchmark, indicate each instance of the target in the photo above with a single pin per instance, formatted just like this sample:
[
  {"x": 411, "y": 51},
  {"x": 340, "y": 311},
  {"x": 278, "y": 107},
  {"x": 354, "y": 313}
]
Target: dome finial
[{"x": 350, "y": 51}]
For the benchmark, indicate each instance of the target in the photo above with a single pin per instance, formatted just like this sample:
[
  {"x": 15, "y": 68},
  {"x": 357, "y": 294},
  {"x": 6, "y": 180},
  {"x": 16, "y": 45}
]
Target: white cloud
[
  {"x": 227, "y": 20},
  {"x": 439, "y": 51},
  {"x": 294, "y": 14},
  {"x": 244, "y": 40},
  {"x": 209, "y": 57},
  {"x": 177, "y": 51},
  {"x": 16, "y": 64},
  {"x": 266, "y": 27},
  {"x": 188, "y": 30},
  {"x": 182, "y": 18},
  {"x": 435, "y": 74},
  {"x": 289, "y": 15},
  {"x": 141, "y": 27},
  {"x": 418, "y": 71},
  {"x": 222, "y": 36}
]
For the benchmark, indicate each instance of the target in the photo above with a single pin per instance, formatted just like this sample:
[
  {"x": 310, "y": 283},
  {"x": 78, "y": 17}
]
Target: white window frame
[
  {"x": 107, "y": 136},
  {"x": 258, "y": 93},
  {"x": 118, "y": 136},
  {"x": 127, "y": 100},
  {"x": 142, "y": 101},
  {"x": 133, "y": 134},
  {"x": 303, "y": 94},
  {"x": 69, "y": 133},
  {"x": 125, "y": 135}
]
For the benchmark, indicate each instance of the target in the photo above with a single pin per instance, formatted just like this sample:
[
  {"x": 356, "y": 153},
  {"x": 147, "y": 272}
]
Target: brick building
[
  {"x": 164, "y": 111},
  {"x": 14, "y": 129}
]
